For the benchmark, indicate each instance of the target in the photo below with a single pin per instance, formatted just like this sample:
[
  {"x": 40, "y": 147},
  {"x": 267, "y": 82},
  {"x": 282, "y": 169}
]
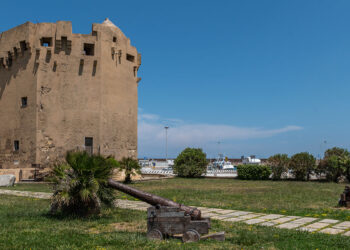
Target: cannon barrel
[{"x": 154, "y": 200}]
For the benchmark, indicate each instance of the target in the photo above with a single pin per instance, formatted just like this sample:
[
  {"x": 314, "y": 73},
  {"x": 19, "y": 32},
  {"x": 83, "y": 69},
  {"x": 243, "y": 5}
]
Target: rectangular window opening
[
  {"x": 16, "y": 145},
  {"x": 24, "y": 101},
  {"x": 114, "y": 39},
  {"x": 130, "y": 58},
  {"x": 89, "y": 145},
  {"x": 89, "y": 49},
  {"x": 64, "y": 42},
  {"x": 23, "y": 46},
  {"x": 46, "y": 41}
]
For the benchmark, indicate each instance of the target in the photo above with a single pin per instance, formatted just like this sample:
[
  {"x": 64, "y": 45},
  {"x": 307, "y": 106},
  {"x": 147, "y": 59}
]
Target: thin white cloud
[
  {"x": 151, "y": 117},
  {"x": 151, "y": 133}
]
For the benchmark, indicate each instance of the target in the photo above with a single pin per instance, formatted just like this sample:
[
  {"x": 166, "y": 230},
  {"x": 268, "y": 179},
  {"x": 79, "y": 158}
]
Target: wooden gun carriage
[{"x": 167, "y": 218}]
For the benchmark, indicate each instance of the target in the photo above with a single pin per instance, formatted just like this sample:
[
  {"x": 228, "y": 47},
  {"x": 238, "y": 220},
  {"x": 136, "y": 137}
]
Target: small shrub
[
  {"x": 253, "y": 172},
  {"x": 81, "y": 184},
  {"x": 130, "y": 166},
  {"x": 191, "y": 162},
  {"x": 279, "y": 165},
  {"x": 302, "y": 165}
]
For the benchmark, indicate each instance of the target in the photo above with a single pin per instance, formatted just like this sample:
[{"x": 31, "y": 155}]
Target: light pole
[
  {"x": 219, "y": 142},
  {"x": 166, "y": 142}
]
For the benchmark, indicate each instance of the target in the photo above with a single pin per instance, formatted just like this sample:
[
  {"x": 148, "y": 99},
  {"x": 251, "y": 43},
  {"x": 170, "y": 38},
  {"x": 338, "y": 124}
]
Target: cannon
[
  {"x": 166, "y": 218},
  {"x": 344, "y": 200}
]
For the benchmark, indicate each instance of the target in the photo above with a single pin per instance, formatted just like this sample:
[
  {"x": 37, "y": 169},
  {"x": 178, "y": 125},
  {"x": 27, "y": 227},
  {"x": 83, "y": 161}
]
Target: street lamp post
[{"x": 166, "y": 142}]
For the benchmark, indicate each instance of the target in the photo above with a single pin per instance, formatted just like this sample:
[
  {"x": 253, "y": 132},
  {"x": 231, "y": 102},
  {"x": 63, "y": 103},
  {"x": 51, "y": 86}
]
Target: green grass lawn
[
  {"x": 25, "y": 224},
  {"x": 284, "y": 197}
]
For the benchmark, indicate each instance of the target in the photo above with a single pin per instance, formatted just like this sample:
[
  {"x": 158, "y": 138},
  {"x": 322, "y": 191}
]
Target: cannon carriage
[{"x": 166, "y": 218}]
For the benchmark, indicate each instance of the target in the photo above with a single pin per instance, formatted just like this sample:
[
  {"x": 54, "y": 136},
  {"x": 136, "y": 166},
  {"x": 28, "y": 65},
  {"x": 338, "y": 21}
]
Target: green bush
[
  {"x": 81, "y": 184},
  {"x": 253, "y": 172},
  {"x": 191, "y": 162},
  {"x": 279, "y": 165},
  {"x": 334, "y": 164},
  {"x": 302, "y": 165}
]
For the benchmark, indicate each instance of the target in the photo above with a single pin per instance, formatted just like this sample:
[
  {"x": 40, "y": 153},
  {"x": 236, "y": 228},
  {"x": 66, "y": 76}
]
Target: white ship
[{"x": 222, "y": 163}]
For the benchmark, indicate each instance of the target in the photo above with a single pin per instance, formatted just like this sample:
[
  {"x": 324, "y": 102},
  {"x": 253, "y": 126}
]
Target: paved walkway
[{"x": 309, "y": 224}]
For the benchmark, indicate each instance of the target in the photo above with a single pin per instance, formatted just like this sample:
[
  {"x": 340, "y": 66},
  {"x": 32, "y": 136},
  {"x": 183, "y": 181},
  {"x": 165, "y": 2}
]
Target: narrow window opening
[
  {"x": 15, "y": 51},
  {"x": 130, "y": 58},
  {"x": 16, "y": 146},
  {"x": 81, "y": 67},
  {"x": 48, "y": 56},
  {"x": 24, "y": 101},
  {"x": 46, "y": 41},
  {"x": 9, "y": 59},
  {"x": 120, "y": 56},
  {"x": 94, "y": 33},
  {"x": 37, "y": 54},
  {"x": 23, "y": 46},
  {"x": 114, "y": 39},
  {"x": 36, "y": 67},
  {"x": 94, "y": 68},
  {"x": 89, "y": 49},
  {"x": 89, "y": 145},
  {"x": 54, "y": 66},
  {"x": 113, "y": 53}
]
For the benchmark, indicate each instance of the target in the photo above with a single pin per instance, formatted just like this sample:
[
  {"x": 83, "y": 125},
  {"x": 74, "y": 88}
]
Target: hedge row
[{"x": 253, "y": 172}]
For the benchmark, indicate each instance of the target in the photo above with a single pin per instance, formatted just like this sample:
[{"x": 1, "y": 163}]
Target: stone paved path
[{"x": 309, "y": 224}]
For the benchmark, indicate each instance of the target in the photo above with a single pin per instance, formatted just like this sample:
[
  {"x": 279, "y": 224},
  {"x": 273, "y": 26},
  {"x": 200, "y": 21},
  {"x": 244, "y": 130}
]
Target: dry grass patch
[{"x": 130, "y": 227}]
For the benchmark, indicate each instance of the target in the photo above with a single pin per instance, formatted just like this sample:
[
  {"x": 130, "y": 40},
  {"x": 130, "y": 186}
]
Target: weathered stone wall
[
  {"x": 16, "y": 81},
  {"x": 71, "y": 94}
]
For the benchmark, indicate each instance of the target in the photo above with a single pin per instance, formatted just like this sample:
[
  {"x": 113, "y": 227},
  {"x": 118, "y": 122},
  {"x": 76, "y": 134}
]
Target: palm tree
[
  {"x": 130, "y": 166},
  {"x": 81, "y": 184}
]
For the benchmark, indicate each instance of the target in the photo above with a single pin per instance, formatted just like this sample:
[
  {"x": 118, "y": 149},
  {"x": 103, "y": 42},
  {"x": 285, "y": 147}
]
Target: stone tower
[{"x": 61, "y": 91}]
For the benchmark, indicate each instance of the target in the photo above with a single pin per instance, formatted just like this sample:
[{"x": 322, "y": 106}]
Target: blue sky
[{"x": 261, "y": 77}]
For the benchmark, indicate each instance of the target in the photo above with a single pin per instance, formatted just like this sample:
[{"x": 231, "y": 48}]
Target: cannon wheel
[
  {"x": 191, "y": 236},
  {"x": 154, "y": 234}
]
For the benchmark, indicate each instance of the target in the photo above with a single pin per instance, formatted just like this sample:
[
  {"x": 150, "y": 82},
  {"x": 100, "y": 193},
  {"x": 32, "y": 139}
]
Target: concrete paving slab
[
  {"x": 294, "y": 217},
  {"x": 289, "y": 225},
  {"x": 317, "y": 225},
  {"x": 347, "y": 233},
  {"x": 329, "y": 221},
  {"x": 304, "y": 220},
  {"x": 250, "y": 216},
  {"x": 254, "y": 221},
  {"x": 268, "y": 224},
  {"x": 227, "y": 211},
  {"x": 218, "y": 217},
  {"x": 236, "y": 219},
  {"x": 231, "y": 215},
  {"x": 209, "y": 215},
  {"x": 240, "y": 213},
  {"x": 343, "y": 225},
  {"x": 307, "y": 229},
  {"x": 331, "y": 231},
  {"x": 282, "y": 220},
  {"x": 271, "y": 216}
]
